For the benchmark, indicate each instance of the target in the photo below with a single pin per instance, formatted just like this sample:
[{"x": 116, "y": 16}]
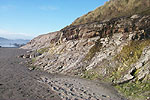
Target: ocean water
[
  {"x": 8, "y": 45},
  {"x": 13, "y": 43}
]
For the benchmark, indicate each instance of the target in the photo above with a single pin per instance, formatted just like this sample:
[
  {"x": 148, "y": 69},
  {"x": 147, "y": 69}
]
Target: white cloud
[
  {"x": 13, "y": 35},
  {"x": 48, "y": 8}
]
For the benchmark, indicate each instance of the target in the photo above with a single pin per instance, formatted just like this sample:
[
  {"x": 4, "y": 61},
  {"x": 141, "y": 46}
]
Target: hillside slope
[{"x": 115, "y": 8}]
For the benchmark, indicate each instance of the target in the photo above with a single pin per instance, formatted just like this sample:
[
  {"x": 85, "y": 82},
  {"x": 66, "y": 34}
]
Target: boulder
[
  {"x": 125, "y": 79},
  {"x": 135, "y": 17}
]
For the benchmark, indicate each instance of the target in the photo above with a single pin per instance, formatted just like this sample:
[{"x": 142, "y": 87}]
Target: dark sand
[{"x": 17, "y": 82}]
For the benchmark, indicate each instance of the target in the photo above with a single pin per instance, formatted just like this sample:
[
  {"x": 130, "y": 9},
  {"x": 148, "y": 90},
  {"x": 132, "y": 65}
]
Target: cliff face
[
  {"x": 115, "y": 51},
  {"x": 111, "y": 44}
]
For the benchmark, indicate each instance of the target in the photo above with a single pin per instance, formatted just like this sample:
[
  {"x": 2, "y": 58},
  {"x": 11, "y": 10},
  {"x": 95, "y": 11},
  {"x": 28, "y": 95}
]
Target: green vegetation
[
  {"x": 103, "y": 73},
  {"x": 33, "y": 60},
  {"x": 130, "y": 54},
  {"x": 135, "y": 90},
  {"x": 96, "y": 48},
  {"x": 91, "y": 75},
  {"x": 95, "y": 74},
  {"x": 115, "y": 8},
  {"x": 41, "y": 51}
]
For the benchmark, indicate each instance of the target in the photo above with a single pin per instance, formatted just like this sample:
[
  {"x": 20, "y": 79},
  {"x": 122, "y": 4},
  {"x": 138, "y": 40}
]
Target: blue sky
[{"x": 26, "y": 19}]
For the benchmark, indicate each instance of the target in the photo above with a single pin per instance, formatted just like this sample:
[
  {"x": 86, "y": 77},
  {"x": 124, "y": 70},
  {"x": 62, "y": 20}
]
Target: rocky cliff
[{"x": 115, "y": 50}]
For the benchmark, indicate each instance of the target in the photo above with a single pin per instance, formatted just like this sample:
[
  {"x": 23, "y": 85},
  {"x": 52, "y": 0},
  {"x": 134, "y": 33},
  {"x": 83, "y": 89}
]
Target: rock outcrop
[
  {"x": 115, "y": 51},
  {"x": 73, "y": 44},
  {"x": 42, "y": 41}
]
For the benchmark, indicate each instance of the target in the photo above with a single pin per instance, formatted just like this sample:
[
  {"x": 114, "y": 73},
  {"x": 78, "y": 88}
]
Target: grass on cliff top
[{"x": 115, "y": 8}]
